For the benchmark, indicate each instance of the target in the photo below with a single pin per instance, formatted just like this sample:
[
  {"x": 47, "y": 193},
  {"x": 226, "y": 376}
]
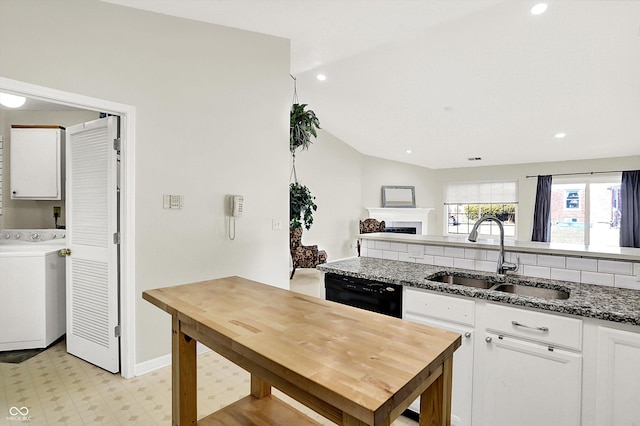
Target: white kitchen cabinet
[
  {"x": 527, "y": 383},
  {"x": 527, "y": 375},
  {"x": 616, "y": 394},
  {"x": 457, "y": 315},
  {"x": 37, "y": 162}
]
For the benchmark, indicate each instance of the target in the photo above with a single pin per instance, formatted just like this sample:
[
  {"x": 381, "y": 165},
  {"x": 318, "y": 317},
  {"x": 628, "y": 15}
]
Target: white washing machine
[{"x": 32, "y": 288}]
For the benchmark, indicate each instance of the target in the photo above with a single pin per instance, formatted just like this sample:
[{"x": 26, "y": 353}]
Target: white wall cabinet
[
  {"x": 37, "y": 162},
  {"x": 457, "y": 315}
]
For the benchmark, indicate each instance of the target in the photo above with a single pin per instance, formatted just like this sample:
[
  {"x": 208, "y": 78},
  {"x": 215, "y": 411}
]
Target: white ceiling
[{"x": 452, "y": 79}]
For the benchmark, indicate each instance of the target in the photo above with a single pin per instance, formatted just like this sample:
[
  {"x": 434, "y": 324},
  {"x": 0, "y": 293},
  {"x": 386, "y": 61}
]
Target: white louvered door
[{"x": 92, "y": 269}]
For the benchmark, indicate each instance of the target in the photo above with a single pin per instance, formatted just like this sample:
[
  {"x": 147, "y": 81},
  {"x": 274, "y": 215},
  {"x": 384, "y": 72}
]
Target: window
[
  {"x": 587, "y": 212},
  {"x": 466, "y": 202}
]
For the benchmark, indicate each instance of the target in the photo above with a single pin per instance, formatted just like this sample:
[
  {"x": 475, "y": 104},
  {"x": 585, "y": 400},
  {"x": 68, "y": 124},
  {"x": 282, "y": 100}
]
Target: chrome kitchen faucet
[{"x": 502, "y": 266}]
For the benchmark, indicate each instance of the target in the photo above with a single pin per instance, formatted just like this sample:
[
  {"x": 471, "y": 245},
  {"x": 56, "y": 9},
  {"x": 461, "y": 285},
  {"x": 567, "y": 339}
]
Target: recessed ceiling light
[
  {"x": 408, "y": 151},
  {"x": 560, "y": 135},
  {"x": 539, "y": 8},
  {"x": 12, "y": 101},
  {"x": 321, "y": 77}
]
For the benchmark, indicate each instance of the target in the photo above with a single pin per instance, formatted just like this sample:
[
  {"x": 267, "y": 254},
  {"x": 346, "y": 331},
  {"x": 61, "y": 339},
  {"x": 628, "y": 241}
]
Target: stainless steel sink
[
  {"x": 525, "y": 290},
  {"x": 466, "y": 281},
  {"x": 491, "y": 284}
]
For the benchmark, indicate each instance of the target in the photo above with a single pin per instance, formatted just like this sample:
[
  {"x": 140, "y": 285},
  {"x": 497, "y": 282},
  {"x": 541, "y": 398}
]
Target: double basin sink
[{"x": 493, "y": 284}]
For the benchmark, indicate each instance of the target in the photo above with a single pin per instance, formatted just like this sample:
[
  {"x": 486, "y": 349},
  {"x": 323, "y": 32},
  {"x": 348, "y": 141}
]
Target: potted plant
[
  {"x": 301, "y": 206},
  {"x": 303, "y": 125},
  {"x": 301, "y": 202}
]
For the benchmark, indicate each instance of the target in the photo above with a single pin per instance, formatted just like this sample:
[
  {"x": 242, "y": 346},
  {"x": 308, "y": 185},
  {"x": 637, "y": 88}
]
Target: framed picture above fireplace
[{"x": 399, "y": 196}]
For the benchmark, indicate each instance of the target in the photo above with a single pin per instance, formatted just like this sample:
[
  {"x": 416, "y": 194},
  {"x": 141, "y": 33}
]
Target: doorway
[{"x": 126, "y": 209}]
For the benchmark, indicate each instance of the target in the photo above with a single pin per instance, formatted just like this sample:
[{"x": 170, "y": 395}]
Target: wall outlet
[{"x": 276, "y": 224}]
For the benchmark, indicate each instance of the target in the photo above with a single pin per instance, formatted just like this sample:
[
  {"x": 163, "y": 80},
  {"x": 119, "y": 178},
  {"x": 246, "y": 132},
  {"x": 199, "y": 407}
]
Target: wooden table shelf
[
  {"x": 353, "y": 367},
  {"x": 267, "y": 411}
]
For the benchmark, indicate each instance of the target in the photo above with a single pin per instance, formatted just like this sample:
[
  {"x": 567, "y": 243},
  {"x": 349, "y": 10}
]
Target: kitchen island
[
  {"x": 619, "y": 305},
  {"x": 352, "y": 366},
  {"x": 578, "y": 355}
]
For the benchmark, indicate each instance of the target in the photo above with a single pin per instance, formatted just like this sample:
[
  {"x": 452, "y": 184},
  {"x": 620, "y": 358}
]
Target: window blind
[{"x": 505, "y": 192}]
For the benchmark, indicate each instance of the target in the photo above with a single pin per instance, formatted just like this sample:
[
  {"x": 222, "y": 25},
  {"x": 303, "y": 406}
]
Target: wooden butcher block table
[{"x": 353, "y": 367}]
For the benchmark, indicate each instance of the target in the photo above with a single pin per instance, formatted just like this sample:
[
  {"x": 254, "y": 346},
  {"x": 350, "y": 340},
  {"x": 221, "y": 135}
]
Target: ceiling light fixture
[
  {"x": 560, "y": 135},
  {"x": 12, "y": 101},
  {"x": 321, "y": 77},
  {"x": 408, "y": 151},
  {"x": 539, "y": 8}
]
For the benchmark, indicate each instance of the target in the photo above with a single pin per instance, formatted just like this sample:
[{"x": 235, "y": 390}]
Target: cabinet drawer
[
  {"x": 449, "y": 308},
  {"x": 550, "y": 329}
]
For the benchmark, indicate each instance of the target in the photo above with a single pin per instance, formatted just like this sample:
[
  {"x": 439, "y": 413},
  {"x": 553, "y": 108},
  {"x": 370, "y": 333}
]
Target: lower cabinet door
[
  {"x": 618, "y": 378},
  {"x": 462, "y": 386},
  {"x": 529, "y": 384}
]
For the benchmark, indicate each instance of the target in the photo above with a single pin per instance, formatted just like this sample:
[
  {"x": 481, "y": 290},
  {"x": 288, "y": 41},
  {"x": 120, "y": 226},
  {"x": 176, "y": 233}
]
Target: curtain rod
[{"x": 579, "y": 173}]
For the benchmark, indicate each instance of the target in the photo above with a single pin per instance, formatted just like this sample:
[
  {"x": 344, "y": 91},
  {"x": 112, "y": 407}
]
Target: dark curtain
[
  {"x": 542, "y": 212},
  {"x": 630, "y": 209}
]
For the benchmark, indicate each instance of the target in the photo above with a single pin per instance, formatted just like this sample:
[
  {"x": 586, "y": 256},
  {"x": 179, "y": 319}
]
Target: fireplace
[
  {"x": 402, "y": 220},
  {"x": 401, "y": 229}
]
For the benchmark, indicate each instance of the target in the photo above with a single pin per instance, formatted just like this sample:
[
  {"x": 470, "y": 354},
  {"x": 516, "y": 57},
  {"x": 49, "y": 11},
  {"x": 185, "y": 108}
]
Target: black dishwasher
[{"x": 364, "y": 293}]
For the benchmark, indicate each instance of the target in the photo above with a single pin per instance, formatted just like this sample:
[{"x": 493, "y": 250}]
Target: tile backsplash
[{"x": 606, "y": 272}]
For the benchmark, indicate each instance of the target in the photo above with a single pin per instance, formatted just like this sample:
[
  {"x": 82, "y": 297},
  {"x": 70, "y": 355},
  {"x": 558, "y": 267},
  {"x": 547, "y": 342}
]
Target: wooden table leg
[
  {"x": 259, "y": 388},
  {"x": 349, "y": 420},
  {"x": 435, "y": 402},
  {"x": 183, "y": 377}
]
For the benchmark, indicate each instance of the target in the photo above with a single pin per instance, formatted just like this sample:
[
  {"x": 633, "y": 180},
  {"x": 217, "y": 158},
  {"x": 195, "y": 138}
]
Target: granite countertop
[{"x": 593, "y": 301}]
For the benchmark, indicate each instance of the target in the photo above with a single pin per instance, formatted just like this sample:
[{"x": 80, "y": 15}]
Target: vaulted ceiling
[{"x": 451, "y": 80}]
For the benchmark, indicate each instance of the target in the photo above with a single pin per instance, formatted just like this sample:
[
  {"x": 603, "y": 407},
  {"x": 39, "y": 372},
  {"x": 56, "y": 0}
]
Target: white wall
[
  {"x": 377, "y": 172},
  {"x": 332, "y": 171},
  {"x": 330, "y": 168},
  {"x": 4, "y": 158},
  {"x": 344, "y": 182},
  {"x": 32, "y": 213},
  {"x": 211, "y": 119},
  {"x": 526, "y": 187}
]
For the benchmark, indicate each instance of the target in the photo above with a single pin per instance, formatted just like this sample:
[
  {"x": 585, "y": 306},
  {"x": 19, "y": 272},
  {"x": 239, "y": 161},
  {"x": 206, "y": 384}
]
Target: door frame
[{"x": 127, "y": 200}]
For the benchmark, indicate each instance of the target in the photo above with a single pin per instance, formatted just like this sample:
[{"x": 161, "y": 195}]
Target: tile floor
[{"x": 59, "y": 389}]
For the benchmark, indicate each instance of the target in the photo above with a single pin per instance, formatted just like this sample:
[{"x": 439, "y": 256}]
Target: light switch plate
[{"x": 172, "y": 201}]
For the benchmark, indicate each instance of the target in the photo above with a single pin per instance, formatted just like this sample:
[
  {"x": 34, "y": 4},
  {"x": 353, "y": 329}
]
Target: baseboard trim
[{"x": 154, "y": 364}]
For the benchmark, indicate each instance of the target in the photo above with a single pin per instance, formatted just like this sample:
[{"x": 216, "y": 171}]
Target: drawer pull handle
[{"x": 517, "y": 324}]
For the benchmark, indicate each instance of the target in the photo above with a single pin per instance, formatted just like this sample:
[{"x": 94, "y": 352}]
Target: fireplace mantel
[{"x": 389, "y": 214}]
